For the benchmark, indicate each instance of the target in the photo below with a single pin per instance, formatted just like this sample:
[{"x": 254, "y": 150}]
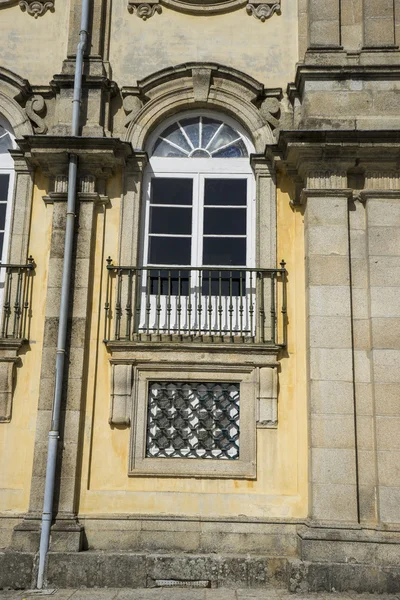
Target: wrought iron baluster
[
  {"x": 138, "y": 286},
  {"x": 251, "y": 307},
  {"x": 169, "y": 308},
  {"x": 118, "y": 307},
  {"x": 199, "y": 306},
  {"x": 148, "y": 304},
  {"x": 17, "y": 303},
  {"x": 108, "y": 301},
  {"x": 179, "y": 307},
  {"x": 7, "y": 302},
  {"x": 129, "y": 306},
  {"x": 24, "y": 303},
  {"x": 273, "y": 309},
  {"x": 220, "y": 301},
  {"x": 158, "y": 308},
  {"x": 230, "y": 304},
  {"x": 241, "y": 303},
  {"x": 284, "y": 304},
  {"x": 190, "y": 303},
  {"x": 209, "y": 304}
]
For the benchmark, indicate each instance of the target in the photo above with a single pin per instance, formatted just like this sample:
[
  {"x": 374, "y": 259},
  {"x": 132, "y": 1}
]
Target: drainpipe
[{"x": 64, "y": 305}]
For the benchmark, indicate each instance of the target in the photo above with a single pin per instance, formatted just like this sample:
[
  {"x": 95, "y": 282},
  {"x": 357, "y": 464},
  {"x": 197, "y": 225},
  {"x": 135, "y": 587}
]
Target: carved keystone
[{"x": 36, "y": 8}]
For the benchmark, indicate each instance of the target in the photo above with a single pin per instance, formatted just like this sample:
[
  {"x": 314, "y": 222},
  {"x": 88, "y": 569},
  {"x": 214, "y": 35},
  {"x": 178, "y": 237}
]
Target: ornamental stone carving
[
  {"x": 263, "y": 10},
  {"x": 36, "y": 8},
  {"x": 144, "y": 10},
  {"x": 35, "y": 107},
  {"x": 259, "y": 9}
]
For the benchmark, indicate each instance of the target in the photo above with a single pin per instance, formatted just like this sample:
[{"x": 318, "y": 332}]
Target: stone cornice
[{"x": 98, "y": 156}]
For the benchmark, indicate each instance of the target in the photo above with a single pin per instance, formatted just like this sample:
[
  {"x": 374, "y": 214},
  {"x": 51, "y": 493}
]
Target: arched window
[
  {"x": 7, "y": 142},
  {"x": 199, "y": 230}
]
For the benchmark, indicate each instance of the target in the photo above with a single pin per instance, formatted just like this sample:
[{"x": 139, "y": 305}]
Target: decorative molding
[
  {"x": 260, "y": 9},
  {"x": 382, "y": 180},
  {"x": 327, "y": 180},
  {"x": 263, "y": 10},
  {"x": 144, "y": 10},
  {"x": 121, "y": 392},
  {"x": 132, "y": 105},
  {"x": 33, "y": 108},
  {"x": 208, "y": 85},
  {"x": 36, "y": 8}
]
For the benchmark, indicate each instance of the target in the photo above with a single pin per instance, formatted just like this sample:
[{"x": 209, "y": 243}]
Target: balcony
[
  {"x": 15, "y": 299},
  {"x": 202, "y": 304}
]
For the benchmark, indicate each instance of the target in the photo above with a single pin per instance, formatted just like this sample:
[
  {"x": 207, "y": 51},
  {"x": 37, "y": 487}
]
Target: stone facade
[{"x": 311, "y": 498}]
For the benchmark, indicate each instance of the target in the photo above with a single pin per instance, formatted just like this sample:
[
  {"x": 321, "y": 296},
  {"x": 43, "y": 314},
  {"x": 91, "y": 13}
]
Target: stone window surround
[{"x": 244, "y": 467}]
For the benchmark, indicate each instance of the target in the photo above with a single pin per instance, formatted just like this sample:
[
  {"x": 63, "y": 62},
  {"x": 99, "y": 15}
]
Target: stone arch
[
  {"x": 199, "y": 86},
  {"x": 13, "y": 89}
]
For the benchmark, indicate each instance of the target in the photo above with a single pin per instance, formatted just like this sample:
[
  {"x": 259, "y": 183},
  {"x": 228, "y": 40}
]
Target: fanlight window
[
  {"x": 6, "y": 184},
  {"x": 200, "y": 137}
]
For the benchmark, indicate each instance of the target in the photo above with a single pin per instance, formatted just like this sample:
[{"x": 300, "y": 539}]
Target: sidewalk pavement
[{"x": 267, "y": 593}]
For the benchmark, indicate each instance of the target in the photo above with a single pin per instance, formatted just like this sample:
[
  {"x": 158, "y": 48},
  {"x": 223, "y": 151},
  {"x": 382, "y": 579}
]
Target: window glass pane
[
  {"x": 165, "y": 150},
  {"x": 192, "y": 129},
  {"x": 224, "y": 282},
  {"x": 175, "y": 136},
  {"x": 5, "y": 142},
  {"x": 169, "y": 251},
  {"x": 1, "y": 244},
  {"x": 210, "y": 127},
  {"x": 3, "y": 209},
  {"x": 225, "y": 221},
  {"x": 225, "y": 136},
  {"x": 170, "y": 220},
  {"x": 225, "y": 191},
  {"x": 237, "y": 150},
  {"x": 165, "y": 190},
  {"x": 4, "y": 181},
  {"x": 224, "y": 251}
]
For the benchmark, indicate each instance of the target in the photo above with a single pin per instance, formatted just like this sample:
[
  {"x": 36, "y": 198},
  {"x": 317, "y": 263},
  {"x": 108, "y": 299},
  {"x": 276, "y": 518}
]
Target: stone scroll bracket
[
  {"x": 267, "y": 405},
  {"x": 260, "y": 9},
  {"x": 121, "y": 392}
]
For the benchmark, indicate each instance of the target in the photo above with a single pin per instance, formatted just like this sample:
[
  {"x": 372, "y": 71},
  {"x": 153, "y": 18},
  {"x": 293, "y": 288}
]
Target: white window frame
[{"x": 7, "y": 168}]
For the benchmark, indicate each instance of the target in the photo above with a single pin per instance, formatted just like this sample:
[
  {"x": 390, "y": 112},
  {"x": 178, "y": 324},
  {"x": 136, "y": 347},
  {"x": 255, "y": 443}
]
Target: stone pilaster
[
  {"x": 379, "y": 24},
  {"x": 324, "y": 24},
  {"x": 333, "y": 465},
  {"x": 382, "y": 206}
]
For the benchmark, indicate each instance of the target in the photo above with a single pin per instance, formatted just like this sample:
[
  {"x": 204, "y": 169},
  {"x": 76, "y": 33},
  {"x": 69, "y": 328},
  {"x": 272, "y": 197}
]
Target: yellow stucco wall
[
  {"x": 266, "y": 51},
  {"x": 17, "y": 437},
  {"x": 280, "y": 489},
  {"x": 34, "y": 48}
]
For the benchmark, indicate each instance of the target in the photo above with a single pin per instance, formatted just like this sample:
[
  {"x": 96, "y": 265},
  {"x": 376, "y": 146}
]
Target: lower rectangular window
[{"x": 193, "y": 420}]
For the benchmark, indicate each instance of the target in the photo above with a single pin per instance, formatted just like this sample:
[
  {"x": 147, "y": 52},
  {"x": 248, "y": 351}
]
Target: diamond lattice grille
[{"x": 193, "y": 420}]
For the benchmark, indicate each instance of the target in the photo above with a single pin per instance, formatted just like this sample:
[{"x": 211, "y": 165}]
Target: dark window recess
[
  {"x": 223, "y": 283},
  {"x": 225, "y": 192},
  {"x": 193, "y": 420},
  {"x": 165, "y": 219},
  {"x": 166, "y": 190},
  {"x": 169, "y": 251},
  {"x": 224, "y": 251},
  {"x": 163, "y": 282},
  {"x": 225, "y": 221},
  {"x": 4, "y": 183},
  {"x": 3, "y": 210}
]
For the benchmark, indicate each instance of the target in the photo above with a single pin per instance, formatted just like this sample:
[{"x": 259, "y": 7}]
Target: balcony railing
[
  {"x": 202, "y": 304},
  {"x": 15, "y": 299}
]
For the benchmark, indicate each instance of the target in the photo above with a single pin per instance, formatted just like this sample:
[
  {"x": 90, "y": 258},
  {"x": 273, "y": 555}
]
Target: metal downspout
[{"x": 64, "y": 305}]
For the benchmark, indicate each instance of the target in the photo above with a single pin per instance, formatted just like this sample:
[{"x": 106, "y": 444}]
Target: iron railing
[
  {"x": 209, "y": 304},
  {"x": 15, "y": 299}
]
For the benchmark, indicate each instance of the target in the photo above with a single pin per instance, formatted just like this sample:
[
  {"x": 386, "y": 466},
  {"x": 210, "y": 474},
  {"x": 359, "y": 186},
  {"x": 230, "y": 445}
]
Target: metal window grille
[{"x": 193, "y": 420}]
